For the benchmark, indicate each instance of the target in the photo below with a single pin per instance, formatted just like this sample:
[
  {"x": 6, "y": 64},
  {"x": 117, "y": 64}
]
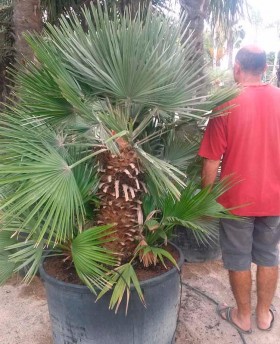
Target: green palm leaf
[
  {"x": 28, "y": 256},
  {"x": 196, "y": 209},
  {"x": 17, "y": 253},
  {"x": 46, "y": 104},
  {"x": 6, "y": 267},
  {"x": 123, "y": 60},
  {"x": 122, "y": 278},
  {"x": 50, "y": 92},
  {"x": 179, "y": 152},
  {"x": 50, "y": 186},
  {"x": 92, "y": 261},
  {"x": 162, "y": 174}
]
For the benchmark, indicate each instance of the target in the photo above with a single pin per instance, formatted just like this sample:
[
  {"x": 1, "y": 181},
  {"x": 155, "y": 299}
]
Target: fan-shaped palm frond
[
  {"x": 47, "y": 181},
  {"x": 91, "y": 260},
  {"x": 196, "y": 210},
  {"x": 226, "y": 12}
]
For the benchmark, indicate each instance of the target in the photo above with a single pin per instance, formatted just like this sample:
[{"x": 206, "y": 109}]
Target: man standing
[{"x": 246, "y": 138}]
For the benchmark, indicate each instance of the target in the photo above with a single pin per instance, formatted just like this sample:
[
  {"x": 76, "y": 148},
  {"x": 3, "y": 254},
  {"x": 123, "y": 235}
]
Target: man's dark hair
[{"x": 252, "y": 62}]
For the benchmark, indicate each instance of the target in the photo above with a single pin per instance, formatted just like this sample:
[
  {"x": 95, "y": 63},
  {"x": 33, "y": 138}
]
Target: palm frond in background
[{"x": 226, "y": 12}]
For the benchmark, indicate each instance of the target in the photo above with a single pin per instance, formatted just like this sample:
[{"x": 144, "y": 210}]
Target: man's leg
[
  {"x": 267, "y": 278},
  {"x": 236, "y": 238},
  {"x": 266, "y": 255},
  {"x": 241, "y": 283}
]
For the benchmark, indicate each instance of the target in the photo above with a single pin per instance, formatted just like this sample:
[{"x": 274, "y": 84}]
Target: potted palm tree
[{"x": 89, "y": 180}]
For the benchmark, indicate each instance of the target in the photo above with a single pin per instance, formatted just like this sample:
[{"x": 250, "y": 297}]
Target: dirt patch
[
  {"x": 33, "y": 290},
  {"x": 24, "y": 313}
]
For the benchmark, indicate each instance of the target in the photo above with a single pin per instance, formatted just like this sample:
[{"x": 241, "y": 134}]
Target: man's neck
[{"x": 250, "y": 80}]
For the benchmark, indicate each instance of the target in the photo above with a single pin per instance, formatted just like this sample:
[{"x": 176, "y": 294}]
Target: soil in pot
[{"x": 65, "y": 271}]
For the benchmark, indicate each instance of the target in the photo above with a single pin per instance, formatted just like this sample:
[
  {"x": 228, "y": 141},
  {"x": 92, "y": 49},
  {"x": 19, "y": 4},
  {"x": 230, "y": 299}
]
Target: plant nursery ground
[{"x": 24, "y": 313}]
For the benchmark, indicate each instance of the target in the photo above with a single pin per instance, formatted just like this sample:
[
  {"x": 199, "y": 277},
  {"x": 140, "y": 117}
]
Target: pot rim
[{"x": 150, "y": 281}]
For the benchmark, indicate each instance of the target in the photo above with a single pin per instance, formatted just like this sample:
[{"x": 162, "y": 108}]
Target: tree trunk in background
[
  {"x": 215, "y": 48},
  {"x": 6, "y": 51},
  {"x": 27, "y": 17},
  {"x": 230, "y": 44},
  {"x": 196, "y": 13},
  {"x": 133, "y": 5}
]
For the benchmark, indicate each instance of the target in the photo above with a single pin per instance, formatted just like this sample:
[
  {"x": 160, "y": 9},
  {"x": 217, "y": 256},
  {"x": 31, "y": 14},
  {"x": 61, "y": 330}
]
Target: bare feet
[
  {"x": 265, "y": 319},
  {"x": 240, "y": 322}
]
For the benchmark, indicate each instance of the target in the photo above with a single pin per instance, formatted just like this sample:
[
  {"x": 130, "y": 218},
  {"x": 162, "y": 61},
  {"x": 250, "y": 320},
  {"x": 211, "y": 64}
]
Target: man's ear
[
  {"x": 236, "y": 71},
  {"x": 237, "y": 67}
]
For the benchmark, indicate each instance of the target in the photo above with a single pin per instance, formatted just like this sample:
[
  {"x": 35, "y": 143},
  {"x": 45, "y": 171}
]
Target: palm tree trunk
[
  {"x": 27, "y": 17},
  {"x": 121, "y": 191}
]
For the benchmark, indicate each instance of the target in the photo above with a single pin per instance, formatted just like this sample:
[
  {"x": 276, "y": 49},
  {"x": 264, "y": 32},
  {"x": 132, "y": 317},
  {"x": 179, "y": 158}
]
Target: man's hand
[{"x": 209, "y": 172}]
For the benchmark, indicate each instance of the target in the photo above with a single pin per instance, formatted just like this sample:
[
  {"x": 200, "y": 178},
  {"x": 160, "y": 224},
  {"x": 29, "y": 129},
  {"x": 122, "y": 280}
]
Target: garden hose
[{"x": 197, "y": 291}]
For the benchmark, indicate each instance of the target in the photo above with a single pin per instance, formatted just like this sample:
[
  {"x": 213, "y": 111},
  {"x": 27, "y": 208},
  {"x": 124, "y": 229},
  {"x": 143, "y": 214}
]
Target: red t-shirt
[{"x": 248, "y": 141}]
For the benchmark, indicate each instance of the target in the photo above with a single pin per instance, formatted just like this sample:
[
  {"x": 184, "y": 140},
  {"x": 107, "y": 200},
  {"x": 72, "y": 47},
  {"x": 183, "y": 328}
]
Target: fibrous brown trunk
[
  {"x": 27, "y": 17},
  {"x": 121, "y": 190}
]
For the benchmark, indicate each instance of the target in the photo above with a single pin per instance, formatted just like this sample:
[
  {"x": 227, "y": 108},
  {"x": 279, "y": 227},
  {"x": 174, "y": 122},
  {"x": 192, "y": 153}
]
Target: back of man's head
[{"x": 251, "y": 59}]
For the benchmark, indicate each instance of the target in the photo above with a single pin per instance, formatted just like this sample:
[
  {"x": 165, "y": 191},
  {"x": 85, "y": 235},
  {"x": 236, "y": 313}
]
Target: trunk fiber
[{"x": 121, "y": 190}]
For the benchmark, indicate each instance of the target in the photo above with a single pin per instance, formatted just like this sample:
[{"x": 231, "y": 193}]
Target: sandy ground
[
  {"x": 198, "y": 321},
  {"x": 24, "y": 314}
]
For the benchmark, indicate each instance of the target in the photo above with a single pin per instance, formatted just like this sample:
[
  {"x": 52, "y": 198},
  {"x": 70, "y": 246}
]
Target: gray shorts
[{"x": 251, "y": 239}]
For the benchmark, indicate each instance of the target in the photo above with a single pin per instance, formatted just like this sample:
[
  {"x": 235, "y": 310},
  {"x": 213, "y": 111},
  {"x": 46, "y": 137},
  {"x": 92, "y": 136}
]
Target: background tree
[
  {"x": 27, "y": 16},
  {"x": 222, "y": 14},
  {"x": 226, "y": 14},
  {"x": 195, "y": 12},
  {"x": 55, "y": 8},
  {"x": 6, "y": 44},
  {"x": 274, "y": 64},
  {"x": 20, "y": 16}
]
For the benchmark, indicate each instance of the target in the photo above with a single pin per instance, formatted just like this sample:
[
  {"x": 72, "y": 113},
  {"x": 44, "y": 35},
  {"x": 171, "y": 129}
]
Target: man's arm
[{"x": 209, "y": 172}]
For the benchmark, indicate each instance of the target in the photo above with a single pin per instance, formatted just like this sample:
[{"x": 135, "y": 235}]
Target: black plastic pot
[
  {"x": 192, "y": 251},
  {"x": 77, "y": 319}
]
